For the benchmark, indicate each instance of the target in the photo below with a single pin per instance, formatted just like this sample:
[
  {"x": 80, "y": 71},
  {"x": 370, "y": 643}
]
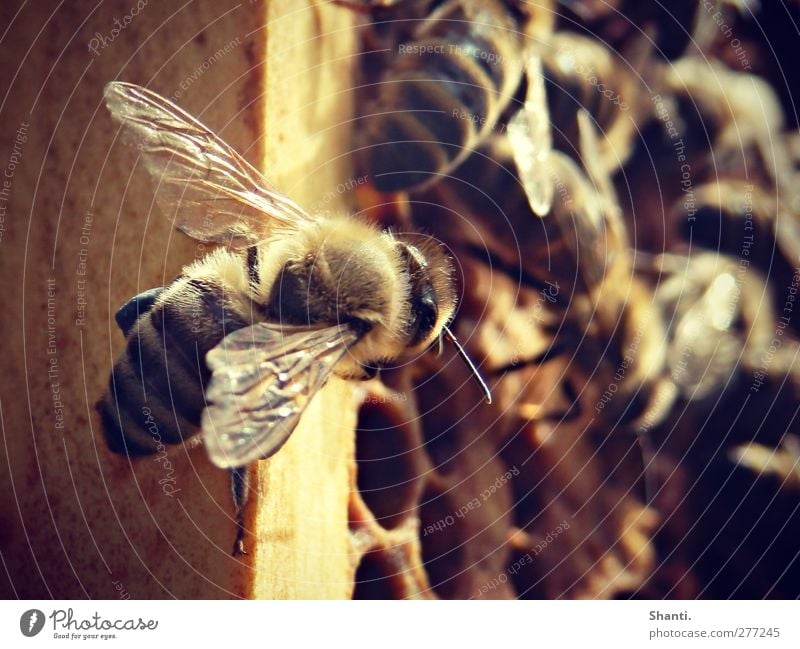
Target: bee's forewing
[
  {"x": 617, "y": 243},
  {"x": 204, "y": 187},
  {"x": 579, "y": 214},
  {"x": 705, "y": 350},
  {"x": 531, "y": 141},
  {"x": 262, "y": 379}
]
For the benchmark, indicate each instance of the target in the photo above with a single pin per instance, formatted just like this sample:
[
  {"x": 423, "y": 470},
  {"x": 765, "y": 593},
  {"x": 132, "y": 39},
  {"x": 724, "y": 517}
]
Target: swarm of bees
[{"x": 624, "y": 218}]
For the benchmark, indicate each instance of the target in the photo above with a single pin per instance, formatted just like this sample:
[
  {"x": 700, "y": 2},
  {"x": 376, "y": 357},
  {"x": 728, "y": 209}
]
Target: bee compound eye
[{"x": 426, "y": 313}]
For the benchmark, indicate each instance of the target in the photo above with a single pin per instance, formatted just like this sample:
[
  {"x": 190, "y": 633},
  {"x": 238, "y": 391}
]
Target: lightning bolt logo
[{"x": 31, "y": 622}]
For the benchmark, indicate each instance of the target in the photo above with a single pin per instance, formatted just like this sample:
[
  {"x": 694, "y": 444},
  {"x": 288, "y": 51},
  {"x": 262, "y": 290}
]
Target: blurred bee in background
[
  {"x": 437, "y": 76},
  {"x": 711, "y": 16},
  {"x": 744, "y": 203},
  {"x": 611, "y": 308},
  {"x": 730, "y": 216},
  {"x": 608, "y": 318},
  {"x": 722, "y": 322},
  {"x": 707, "y": 125},
  {"x": 584, "y": 74},
  {"x": 739, "y": 218},
  {"x": 733, "y": 120},
  {"x": 616, "y": 22},
  {"x": 706, "y": 174},
  {"x": 240, "y": 342}
]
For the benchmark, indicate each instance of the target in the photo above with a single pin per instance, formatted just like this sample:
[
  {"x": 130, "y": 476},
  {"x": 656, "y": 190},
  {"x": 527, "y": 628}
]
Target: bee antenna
[{"x": 463, "y": 354}]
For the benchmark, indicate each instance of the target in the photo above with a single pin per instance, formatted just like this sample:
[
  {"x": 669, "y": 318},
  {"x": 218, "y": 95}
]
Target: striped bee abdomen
[
  {"x": 584, "y": 74},
  {"x": 442, "y": 92},
  {"x": 156, "y": 390}
]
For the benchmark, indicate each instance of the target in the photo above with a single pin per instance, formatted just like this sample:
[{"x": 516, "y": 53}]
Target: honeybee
[
  {"x": 723, "y": 318},
  {"x": 617, "y": 322},
  {"x": 614, "y": 307},
  {"x": 580, "y": 242},
  {"x": 437, "y": 77},
  {"x": 738, "y": 217},
  {"x": 711, "y": 16},
  {"x": 238, "y": 344},
  {"x": 733, "y": 119},
  {"x": 603, "y": 308},
  {"x": 583, "y": 73}
]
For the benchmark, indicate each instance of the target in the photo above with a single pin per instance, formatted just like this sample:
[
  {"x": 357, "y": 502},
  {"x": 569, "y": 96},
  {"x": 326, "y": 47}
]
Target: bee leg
[{"x": 239, "y": 486}]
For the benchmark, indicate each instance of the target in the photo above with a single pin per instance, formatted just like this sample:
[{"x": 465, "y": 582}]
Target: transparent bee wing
[
  {"x": 207, "y": 189},
  {"x": 262, "y": 379},
  {"x": 580, "y": 207},
  {"x": 617, "y": 243},
  {"x": 579, "y": 215},
  {"x": 598, "y": 173},
  {"x": 705, "y": 350},
  {"x": 532, "y": 143}
]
